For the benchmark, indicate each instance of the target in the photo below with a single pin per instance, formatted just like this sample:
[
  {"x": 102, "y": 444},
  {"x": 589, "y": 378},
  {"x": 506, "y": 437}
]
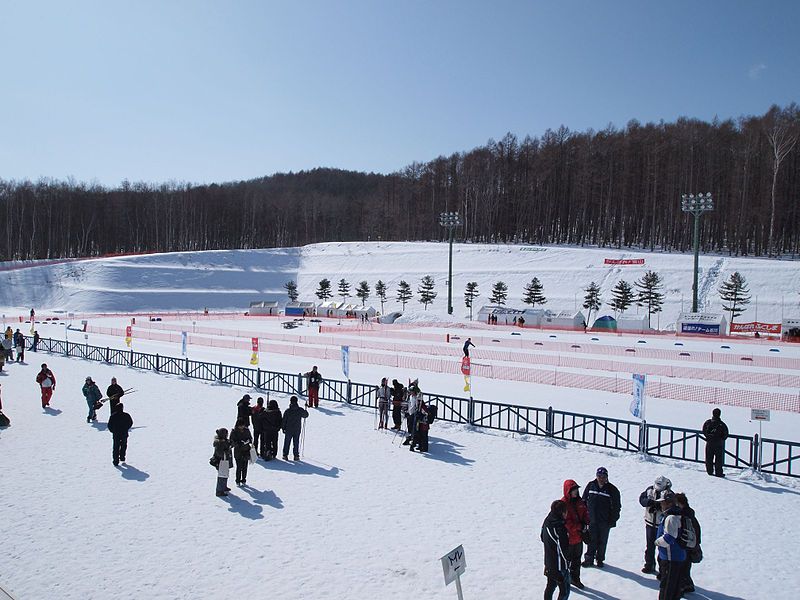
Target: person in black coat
[
  {"x": 682, "y": 502},
  {"x": 292, "y": 426},
  {"x": 119, "y": 424},
  {"x": 467, "y": 345},
  {"x": 241, "y": 440},
  {"x": 222, "y": 451},
  {"x": 272, "y": 423},
  {"x": 716, "y": 432},
  {"x": 257, "y": 416},
  {"x": 114, "y": 393},
  {"x": 603, "y": 501},
  {"x": 244, "y": 410},
  {"x": 398, "y": 395},
  {"x": 555, "y": 538}
]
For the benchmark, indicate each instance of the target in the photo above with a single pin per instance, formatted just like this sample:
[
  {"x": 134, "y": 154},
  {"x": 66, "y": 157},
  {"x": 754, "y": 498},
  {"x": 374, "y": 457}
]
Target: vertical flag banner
[
  {"x": 346, "y": 361},
  {"x": 128, "y": 335},
  {"x": 184, "y": 337},
  {"x": 637, "y": 404},
  {"x": 466, "y": 369},
  {"x": 254, "y": 357}
]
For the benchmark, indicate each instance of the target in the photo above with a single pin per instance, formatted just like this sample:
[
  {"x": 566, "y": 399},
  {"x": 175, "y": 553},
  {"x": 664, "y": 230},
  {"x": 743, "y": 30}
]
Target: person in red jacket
[
  {"x": 576, "y": 521},
  {"x": 47, "y": 381}
]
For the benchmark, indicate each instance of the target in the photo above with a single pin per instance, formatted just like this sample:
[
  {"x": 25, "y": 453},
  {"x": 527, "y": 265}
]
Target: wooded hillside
[{"x": 616, "y": 187}]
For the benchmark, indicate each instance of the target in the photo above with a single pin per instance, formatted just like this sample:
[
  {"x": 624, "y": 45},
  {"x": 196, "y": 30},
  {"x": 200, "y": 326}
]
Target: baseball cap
[{"x": 602, "y": 471}]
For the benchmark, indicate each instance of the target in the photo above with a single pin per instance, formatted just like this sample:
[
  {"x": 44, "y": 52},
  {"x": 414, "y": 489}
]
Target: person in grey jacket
[
  {"x": 92, "y": 394},
  {"x": 292, "y": 426},
  {"x": 652, "y": 516}
]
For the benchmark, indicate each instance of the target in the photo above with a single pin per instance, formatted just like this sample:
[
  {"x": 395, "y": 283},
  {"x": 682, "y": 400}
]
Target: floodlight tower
[
  {"x": 696, "y": 205},
  {"x": 450, "y": 220}
]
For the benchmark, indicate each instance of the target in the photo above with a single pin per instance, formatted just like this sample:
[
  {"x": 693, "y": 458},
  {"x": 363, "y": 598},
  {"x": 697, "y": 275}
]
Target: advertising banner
[
  {"x": 754, "y": 326},
  {"x": 701, "y": 328},
  {"x": 624, "y": 261}
]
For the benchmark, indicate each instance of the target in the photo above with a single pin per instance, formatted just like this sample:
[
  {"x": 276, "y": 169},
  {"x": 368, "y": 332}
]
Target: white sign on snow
[
  {"x": 454, "y": 563},
  {"x": 759, "y": 414}
]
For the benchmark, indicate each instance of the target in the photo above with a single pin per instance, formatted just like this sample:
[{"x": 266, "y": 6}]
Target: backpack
[
  {"x": 688, "y": 536},
  {"x": 432, "y": 411}
]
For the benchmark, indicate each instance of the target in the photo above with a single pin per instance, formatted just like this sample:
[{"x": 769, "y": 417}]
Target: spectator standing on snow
[
  {"x": 119, "y": 424},
  {"x": 576, "y": 521},
  {"x": 47, "y": 381},
  {"x": 383, "y": 403},
  {"x": 224, "y": 459},
  {"x": 243, "y": 410},
  {"x": 682, "y": 502},
  {"x": 652, "y": 517},
  {"x": 603, "y": 501},
  {"x": 35, "y": 343},
  {"x": 114, "y": 393},
  {"x": 412, "y": 402},
  {"x": 19, "y": 345},
  {"x": 92, "y": 394},
  {"x": 257, "y": 417},
  {"x": 671, "y": 555},
  {"x": 467, "y": 344},
  {"x": 292, "y": 426},
  {"x": 398, "y": 397},
  {"x": 421, "y": 434},
  {"x": 241, "y": 440},
  {"x": 716, "y": 432},
  {"x": 8, "y": 344},
  {"x": 272, "y": 421},
  {"x": 313, "y": 378},
  {"x": 555, "y": 538}
]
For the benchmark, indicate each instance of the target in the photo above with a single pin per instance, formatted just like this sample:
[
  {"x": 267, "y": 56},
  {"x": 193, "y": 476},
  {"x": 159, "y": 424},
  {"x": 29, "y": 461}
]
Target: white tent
[
  {"x": 330, "y": 308},
  {"x": 366, "y": 310},
  {"x": 505, "y": 315},
  {"x": 633, "y": 324},
  {"x": 701, "y": 324},
  {"x": 565, "y": 319},
  {"x": 264, "y": 307}
]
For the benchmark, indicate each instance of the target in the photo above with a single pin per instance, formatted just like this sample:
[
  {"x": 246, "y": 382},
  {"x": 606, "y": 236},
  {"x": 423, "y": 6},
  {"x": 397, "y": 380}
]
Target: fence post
[
  {"x": 643, "y": 437},
  {"x": 219, "y": 374},
  {"x": 108, "y": 354},
  {"x": 186, "y": 367},
  {"x": 258, "y": 378},
  {"x": 349, "y": 391},
  {"x": 157, "y": 361},
  {"x": 471, "y": 411},
  {"x": 299, "y": 384},
  {"x": 549, "y": 422},
  {"x": 755, "y": 453},
  {"x": 130, "y": 358}
]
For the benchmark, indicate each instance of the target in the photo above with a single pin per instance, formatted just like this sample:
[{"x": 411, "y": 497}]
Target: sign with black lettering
[{"x": 454, "y": 564}]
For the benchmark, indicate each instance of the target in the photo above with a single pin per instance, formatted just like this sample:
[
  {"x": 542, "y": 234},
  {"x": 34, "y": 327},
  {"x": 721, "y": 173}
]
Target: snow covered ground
[
  {"x": 359, "y": 516},
  {"x": 230, "y": 279}
]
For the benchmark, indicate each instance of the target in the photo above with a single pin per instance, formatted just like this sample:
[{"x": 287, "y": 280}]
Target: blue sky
[{"x": 204, "y": 91}]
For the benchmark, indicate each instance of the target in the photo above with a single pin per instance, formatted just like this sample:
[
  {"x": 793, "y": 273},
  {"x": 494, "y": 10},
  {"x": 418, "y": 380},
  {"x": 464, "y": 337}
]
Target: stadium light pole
[
  {"x": 696, "y": 205},
  {"x": 450, "y": 220}
]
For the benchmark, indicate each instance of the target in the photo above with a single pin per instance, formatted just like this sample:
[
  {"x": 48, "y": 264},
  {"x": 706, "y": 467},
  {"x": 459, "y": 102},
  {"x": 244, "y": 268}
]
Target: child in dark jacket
[
  {"x": 556, "y": 545},
  {"x": 222, "y": 452}
]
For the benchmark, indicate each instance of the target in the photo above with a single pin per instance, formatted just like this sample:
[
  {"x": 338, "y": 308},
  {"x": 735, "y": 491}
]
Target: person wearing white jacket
[
  {"x": 411, "y": 413},
  {"x": 652, "y": 517}
]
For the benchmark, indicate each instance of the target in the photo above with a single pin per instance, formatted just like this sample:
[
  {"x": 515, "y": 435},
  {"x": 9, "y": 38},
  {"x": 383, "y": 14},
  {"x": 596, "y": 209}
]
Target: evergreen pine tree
[
  {"x": 469, "y": 296},
  {"x": 592, "y": 300},
  {"x": 344, "y": 289},
  {"x": 363, "y": 291},
  {"x": 380, "y": 292},
  {"x": 735, "y": 295},
  {"x": 622, "y": 297},
  {"x": 533, "y": 293},
  {"x": 324, "y": 290},
  {"x": 425, "y": 291},
  {"x": 499, "y": 293},
  {"x": 404, "y": 293},
  {"x": 291, "y": 290},
  {"x": 649, "y": 294}
]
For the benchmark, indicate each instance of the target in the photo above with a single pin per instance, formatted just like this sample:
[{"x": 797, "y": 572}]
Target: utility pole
[
  {"x": 696, "y": 205},
  {"x": 450, "y": 220}
]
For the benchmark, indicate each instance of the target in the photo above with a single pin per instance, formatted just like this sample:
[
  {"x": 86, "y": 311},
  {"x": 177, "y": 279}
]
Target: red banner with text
[{"x": 755, "y": 326}]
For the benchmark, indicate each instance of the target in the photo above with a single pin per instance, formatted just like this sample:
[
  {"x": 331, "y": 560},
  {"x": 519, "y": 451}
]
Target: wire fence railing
[{"x": 778, "y": 457}]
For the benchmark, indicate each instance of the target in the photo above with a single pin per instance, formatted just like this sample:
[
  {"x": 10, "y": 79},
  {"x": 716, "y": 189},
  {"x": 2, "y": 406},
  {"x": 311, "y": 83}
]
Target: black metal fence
[{"x": 779, "y": 457}]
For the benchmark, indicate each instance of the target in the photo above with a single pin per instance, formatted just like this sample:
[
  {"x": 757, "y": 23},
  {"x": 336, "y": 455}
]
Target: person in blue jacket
[{"x": 670, "y": 553}]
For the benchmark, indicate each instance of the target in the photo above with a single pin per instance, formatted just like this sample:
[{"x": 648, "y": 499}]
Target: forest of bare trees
[{"x": 616, "y": 187}]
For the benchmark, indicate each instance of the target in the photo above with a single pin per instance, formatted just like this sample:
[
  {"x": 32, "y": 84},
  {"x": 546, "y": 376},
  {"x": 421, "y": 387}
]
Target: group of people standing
[
  {"x": 11, "y": 342},
  {"x": 671, "y": 527},
  {"x": 243, "y": 447},
  {"x": 407, "y": 404}
]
